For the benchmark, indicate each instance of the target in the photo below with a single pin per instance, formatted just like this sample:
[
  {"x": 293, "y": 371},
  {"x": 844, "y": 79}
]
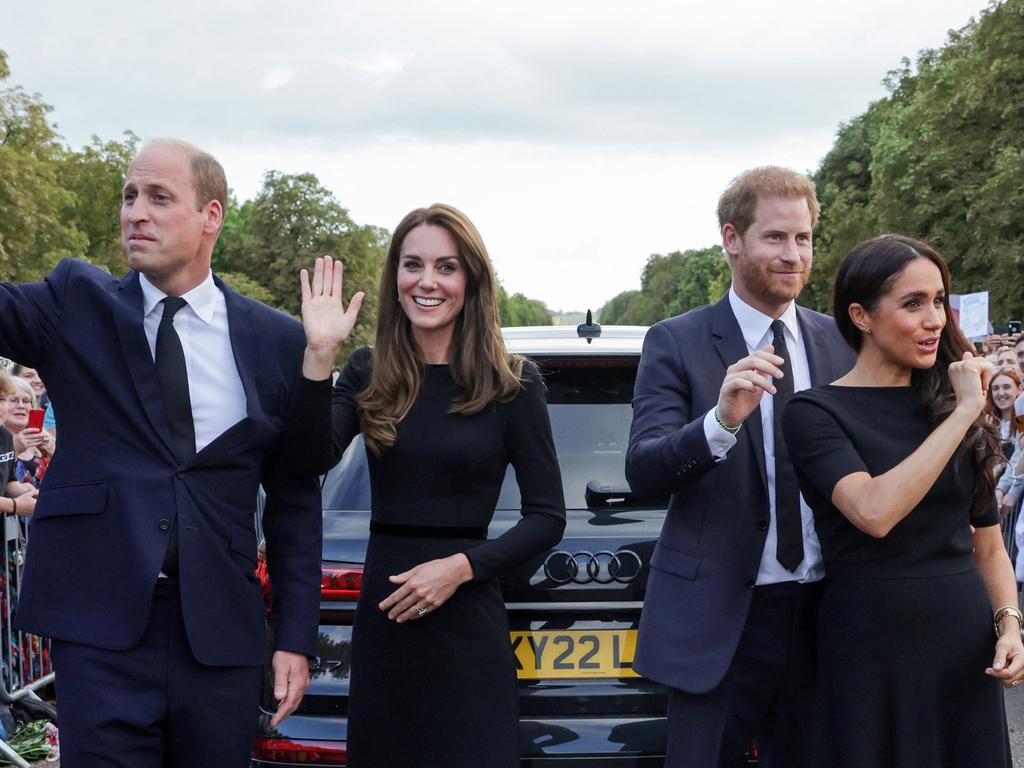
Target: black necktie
[
  {"x": 173, "y": 377},
  {"x": 788, "y": 526}
]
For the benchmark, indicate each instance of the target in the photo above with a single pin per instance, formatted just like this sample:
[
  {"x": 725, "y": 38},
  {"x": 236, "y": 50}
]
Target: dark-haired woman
[
  {"x": 895, "y": 460},
  {"x": 443, "y": 409}
]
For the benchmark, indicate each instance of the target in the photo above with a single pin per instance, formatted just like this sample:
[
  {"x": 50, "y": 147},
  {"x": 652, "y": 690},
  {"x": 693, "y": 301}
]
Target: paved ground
[{"x": 1015, "y": 718}]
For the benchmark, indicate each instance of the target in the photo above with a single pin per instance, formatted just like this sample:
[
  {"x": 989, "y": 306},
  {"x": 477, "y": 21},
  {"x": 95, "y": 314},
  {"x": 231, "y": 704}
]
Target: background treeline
[
  {"x": 56, "y": 201},
  {"x": 941, "y": 158}
]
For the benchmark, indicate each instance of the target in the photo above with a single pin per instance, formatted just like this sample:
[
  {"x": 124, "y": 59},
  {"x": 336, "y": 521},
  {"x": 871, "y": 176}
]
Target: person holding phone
[
  {"x": 17, "y": 498},
  {"x": 34, "y": 445},
  {"x": 895, "y": 458},
  {"x": 443, "y": 410}
]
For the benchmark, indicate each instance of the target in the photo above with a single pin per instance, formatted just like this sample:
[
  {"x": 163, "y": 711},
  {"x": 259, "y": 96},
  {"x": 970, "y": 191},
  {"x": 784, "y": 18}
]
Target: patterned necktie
[{"x": 788, "y": 526}]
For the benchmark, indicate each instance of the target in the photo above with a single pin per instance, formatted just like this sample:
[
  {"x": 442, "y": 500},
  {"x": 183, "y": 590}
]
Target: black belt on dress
[{"x": 429, "y": 531}]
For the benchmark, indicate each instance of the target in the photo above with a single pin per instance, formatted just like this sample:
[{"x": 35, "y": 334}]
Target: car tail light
[
  {"x": 300, "y": 751},
  {"x": 340, "y": 583}
]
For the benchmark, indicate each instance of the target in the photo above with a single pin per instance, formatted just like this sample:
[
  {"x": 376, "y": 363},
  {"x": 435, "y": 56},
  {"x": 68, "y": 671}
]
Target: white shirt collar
[
  {"x": 202, "y": 299},
  {"x": 755, "y": 324}
]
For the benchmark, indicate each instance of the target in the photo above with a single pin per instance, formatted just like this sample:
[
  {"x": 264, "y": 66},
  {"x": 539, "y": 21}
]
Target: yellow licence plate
[{"x": 574, "y": 653}]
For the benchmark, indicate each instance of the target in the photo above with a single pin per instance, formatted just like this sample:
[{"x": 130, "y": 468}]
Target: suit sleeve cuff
[{"x": 720, "y": 441}]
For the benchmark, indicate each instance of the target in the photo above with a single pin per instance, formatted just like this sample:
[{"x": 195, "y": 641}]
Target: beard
[{"x": 766, "y": 286}]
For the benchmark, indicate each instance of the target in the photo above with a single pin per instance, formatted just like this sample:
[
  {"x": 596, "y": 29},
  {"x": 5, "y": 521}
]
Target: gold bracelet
[{"x": 1002, "y": 613}]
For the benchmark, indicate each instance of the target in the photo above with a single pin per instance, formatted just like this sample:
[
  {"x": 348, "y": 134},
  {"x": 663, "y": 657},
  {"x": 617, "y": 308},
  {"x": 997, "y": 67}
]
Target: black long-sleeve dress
[
  {"x": 441, "y": 690},
  {"x": 905, "y": 626}
]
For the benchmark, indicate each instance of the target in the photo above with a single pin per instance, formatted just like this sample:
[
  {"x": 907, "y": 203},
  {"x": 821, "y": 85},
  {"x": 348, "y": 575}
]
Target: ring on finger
[{"x": 420, "y": 610}]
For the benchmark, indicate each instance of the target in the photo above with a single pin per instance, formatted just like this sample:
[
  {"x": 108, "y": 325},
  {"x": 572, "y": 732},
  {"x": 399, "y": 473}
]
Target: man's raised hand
[{"x": 745, "y": 382}]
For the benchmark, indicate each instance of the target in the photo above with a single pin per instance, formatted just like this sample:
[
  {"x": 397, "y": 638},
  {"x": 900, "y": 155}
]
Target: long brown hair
[
  {"x": 990, "y": 405},
  {"x": 481, "y": 367},
  {"x": 864, "y": 277}
]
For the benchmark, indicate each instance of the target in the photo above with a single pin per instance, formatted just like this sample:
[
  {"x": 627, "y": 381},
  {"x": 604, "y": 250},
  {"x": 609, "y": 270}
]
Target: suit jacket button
[
  {"x": 165, "y": 524},
  {"x": 180, "y": 475},
  {"x": 762, "y": 525}
]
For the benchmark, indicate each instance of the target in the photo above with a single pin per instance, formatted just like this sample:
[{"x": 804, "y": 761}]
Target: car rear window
[{"x": 589, "y": 405}]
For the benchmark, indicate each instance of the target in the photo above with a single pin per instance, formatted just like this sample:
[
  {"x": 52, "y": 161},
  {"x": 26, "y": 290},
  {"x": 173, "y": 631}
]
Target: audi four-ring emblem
[{"x": 602, "y": 567}]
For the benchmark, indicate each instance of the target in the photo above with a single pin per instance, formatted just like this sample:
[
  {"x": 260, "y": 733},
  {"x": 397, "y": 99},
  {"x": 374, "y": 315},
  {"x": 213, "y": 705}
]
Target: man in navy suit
[
  {"x": 172, "y": 392},
  {"x": 729, "y": 614}
]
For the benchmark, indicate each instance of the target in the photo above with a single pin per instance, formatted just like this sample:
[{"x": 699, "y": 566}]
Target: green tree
[
  {"x": 670, "y": 285},
  {"x": 34, "y": 235},
  {"x": 940, "y": 159},
  {"x": 94, "y": 175},
  {"x": 246, "y": 286},
  {"x": 519, "y": 310},
  {"x": 704, "y": 277},
  {"x": 612, "y": 311},
  {"x": 292, "y": 220}
]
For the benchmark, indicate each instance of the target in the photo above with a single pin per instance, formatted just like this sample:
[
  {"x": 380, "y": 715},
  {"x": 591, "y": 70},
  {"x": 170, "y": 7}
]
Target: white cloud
[
  {"x": 277, "y": 77},
  {"x": 581, "y": 135}
]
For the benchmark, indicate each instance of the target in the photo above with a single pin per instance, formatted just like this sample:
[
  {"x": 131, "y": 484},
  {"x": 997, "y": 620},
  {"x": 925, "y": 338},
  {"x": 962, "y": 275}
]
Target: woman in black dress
[
  {"x": 444, "y": 410},
  {"x": 895, "y": 460}
]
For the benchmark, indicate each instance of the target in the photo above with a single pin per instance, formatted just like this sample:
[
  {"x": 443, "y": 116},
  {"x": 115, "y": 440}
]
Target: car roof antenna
[{"x": 589, "y": 330}]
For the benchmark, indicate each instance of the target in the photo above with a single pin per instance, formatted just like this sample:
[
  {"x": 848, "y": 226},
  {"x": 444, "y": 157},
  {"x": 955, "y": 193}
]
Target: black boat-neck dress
[
  {"x": 905, "y": 627},
  {"x": 441, "y": 690}
]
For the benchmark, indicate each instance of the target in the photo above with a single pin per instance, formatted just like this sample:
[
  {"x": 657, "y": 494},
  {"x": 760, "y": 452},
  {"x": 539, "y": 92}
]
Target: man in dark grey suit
[{"x": 728, "y": 620}]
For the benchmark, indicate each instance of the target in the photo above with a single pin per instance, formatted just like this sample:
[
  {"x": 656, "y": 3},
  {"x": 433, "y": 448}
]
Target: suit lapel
[
  {"x": 135, "y": 346},
  {"x": 729, "y": 343},
  {"x": 245, "y": 345},
  {"x": 819, "y": 357}
]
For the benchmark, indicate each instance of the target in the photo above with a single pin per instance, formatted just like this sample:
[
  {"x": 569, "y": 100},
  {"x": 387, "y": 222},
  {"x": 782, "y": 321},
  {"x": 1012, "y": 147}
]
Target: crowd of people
[
  {"x": 1005, "y": 409},
  {"x": 826, "y": 583}
]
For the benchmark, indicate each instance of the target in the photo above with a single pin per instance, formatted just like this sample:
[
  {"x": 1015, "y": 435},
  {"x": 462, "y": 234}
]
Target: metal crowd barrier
[{"x": 25, "y": 665}]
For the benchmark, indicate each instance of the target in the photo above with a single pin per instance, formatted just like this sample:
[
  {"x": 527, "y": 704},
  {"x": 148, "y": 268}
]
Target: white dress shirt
[
  {"x": 757, "y": 333},
  {"x": 214, "y": 386}
]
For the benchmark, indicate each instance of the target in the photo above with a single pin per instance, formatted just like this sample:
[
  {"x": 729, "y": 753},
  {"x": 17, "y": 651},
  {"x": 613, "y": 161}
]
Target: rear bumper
[{"x": 594, "y": 742}]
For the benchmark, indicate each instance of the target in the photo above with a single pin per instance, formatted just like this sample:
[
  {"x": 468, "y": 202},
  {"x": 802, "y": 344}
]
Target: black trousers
[
  {"x": 154, "y": 705},
  {"x": 767, "y": 695}
]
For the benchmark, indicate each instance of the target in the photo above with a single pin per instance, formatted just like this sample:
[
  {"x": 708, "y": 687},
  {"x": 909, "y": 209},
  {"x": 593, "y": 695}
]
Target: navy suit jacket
[
  {"x": 100, "y": 527},
  {"x": 707, "y": 557}
]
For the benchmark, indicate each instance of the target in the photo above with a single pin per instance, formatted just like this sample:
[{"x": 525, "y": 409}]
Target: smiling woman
[{"x": 444, "y": 410}]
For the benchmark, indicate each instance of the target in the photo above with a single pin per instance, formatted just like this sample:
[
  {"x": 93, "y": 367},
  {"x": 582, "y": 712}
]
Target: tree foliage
[
  {"x": 56, "y": 201},
  {"x": 670, "y": 285},
  {"x": 517, "y": 309},
  {"x": 942, "y": 159},
  {"x": 291, "y": 221},
  {"x": 34, "y": 234}
]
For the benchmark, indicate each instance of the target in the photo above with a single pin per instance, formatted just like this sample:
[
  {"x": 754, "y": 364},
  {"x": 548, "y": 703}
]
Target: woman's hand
[
  {"x": 426, "y": 587},
  {"x": 970, "y": 378},
  {"x": 324, "y": 318},
  {"x": 30, "y": 437},
  {"x": 1008, "y": 664},
  {"x": 1006, "y": 505},
  {"x": 27, "y": 503}
]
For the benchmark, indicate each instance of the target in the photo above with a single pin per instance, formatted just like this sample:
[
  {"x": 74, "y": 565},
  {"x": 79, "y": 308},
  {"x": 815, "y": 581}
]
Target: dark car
[{"x": 573, "y": 611}]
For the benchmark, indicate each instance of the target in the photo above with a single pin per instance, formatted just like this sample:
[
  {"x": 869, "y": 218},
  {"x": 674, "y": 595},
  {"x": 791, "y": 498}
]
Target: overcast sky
[{"x": 579, "y": 135}]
